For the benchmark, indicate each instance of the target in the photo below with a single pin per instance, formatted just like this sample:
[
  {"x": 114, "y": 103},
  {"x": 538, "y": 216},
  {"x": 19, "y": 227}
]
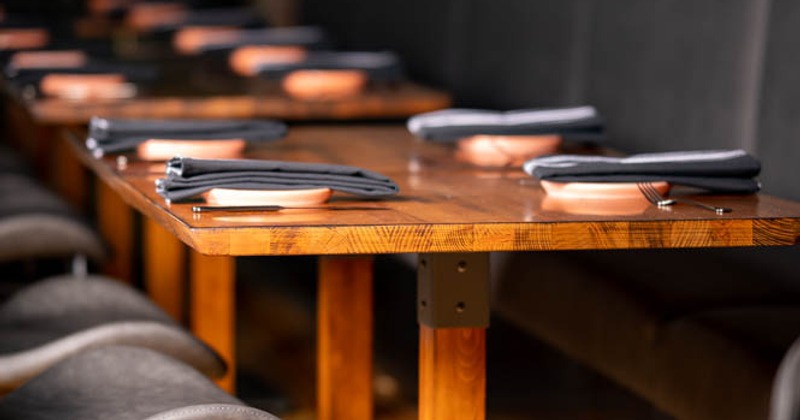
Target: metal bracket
[{"x": 453, "y": 290}]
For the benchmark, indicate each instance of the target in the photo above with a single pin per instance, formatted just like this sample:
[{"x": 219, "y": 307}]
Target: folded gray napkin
[
  {"x": 723, "y": 171},
  {"x": 307, "y": 36},
  {"x": 187, "y": 178},
  {"x": 379, "y": 66},
  {"x": 573, "y": 123},
  {"x": 114, "y": 135}
]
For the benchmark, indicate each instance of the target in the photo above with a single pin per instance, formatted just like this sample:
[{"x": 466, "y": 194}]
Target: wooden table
[
  {"x": 452, "y": 214},
  {"x": 206, "y": 92}
]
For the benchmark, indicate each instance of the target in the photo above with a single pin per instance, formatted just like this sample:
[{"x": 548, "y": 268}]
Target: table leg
[
  {"x": 344, "y": 339},
  {"x": 453, "y": 311},
  {"x": 69, "y": 177},
  {"x": 164, "y": 268},
  {"x": 213, "y": 303},
  {"x": 452, "y": 373},
  {"x": 115, "y": 221}
]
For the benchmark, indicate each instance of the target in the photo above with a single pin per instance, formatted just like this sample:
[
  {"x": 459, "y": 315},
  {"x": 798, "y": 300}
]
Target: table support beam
[
  {"x": 344, "y": 338},
  {"x": 453, "y": 311},
  {"x": 213, "y": 302}
]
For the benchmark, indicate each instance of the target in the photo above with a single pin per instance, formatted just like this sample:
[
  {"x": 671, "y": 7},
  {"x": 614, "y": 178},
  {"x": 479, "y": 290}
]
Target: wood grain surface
[
  {"x": 452, "y": 373},
  {"x": 213, "y": 309},
  {"x": 115, "y": 221},
  {"x": 444, "y": 205},
  {"x": 344, "y": 338},
  {"x": 398, "y": 101},
  {"x": 164, "y": 268}
]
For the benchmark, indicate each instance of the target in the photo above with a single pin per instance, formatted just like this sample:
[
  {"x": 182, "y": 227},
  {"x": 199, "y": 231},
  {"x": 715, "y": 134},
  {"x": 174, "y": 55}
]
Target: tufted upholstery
[
  {"x": 34, "y": 222},
  {"x": 61, "y": 316},
  {"x": 124, "y": 383}
]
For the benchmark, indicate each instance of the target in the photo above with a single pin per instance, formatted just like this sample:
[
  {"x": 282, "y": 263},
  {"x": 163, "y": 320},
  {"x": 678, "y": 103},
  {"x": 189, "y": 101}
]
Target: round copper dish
[
  {"x": 148, "y": 16},
  {"x": 20, "y": 39},
  {"x": 86, "y": 86},
  {"x": 48, "y": 59},
  {"x": 324, "y": 84},
  {"x": 245, "y": 61},
  {"x": 234, "y": 197},
  {"x": 504, "y": 151},
  {"x": 165, "y": 149},
  {"x": 191, "y": 39}
]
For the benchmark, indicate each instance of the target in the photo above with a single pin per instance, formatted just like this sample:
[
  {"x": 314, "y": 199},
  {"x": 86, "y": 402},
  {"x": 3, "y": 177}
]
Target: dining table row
[{"x": 228, "y": 137}]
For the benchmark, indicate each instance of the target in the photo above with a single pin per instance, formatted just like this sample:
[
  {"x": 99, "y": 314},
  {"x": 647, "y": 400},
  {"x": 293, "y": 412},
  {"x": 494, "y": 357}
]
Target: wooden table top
[
  {"x": 184, "y": 92},
  {"x": 444, "y": 206}
]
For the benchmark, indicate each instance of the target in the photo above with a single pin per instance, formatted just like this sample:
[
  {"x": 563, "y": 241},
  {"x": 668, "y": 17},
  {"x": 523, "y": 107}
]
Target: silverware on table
[
  {"x": 204, "y": 209},
  {"x": 652, "y": 195}
]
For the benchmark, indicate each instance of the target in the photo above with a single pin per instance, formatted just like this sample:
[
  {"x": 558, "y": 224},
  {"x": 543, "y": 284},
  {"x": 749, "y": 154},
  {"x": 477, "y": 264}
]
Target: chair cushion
[
  {"x": 34, "y": 222},
  {"x": 122, "y": 383},
  {"x": 61, "y": 316}
]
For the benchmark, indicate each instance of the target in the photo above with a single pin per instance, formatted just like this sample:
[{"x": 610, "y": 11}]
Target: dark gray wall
[
  {"x": 778, "y": 138},
  {"x": 668, "y": 74}
]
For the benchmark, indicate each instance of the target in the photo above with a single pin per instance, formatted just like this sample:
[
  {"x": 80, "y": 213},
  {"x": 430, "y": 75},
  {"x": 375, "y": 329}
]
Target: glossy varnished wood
[
  {"x": 164, "y": 268},
  {"x": 115, "y": 220},
  {"x": 444, "y": 206},
  {"x": 212, "y": 306},
  {"x": 452, "y": 373},
  {"x": 69, "y": 177},
  {"x": 398, "y": 101},
  {"x": 344, "y": 338}
]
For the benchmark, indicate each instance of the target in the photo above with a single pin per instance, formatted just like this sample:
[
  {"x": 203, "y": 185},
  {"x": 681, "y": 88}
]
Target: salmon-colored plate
[
  {"x": 599, "y": 190},
  {"x": 86, "y": 86},
  {"x": 146, "y": 16},
  {"x": 299, "y": 198},
  {"x": 48, "y": 59},
  {"x": 324, "y": 84},
  {"x": 191, "y": 39},
  {"x": 161, "y": 149},
  {"x": 486, "y": 150},
  {"x": 614, "y": 207},
  {"x": 246, "y": 60},
  {"x": 18, "y": 39}
]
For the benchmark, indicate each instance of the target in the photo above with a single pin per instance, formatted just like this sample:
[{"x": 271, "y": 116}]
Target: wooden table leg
[
  {"x": 344, "y": 339},
  {"x": 452, "y": 373},
  {"x": 453, "y": 310},
  {"x": 213, "y": 305},
  {"x": 164, "y": 268},
  {"x": 115, "y": 221},
  {"x": 69, "y": 177}
]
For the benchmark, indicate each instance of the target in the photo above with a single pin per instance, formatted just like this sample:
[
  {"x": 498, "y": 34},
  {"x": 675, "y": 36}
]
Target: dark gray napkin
[
  {"x": 307, "y": 36},
  {"x": 187, "y": 178},
  {"x": 114, "y": 135},
  {"x": 722, "y": 171},
  {"x": 380, "y": 66},
  {"x": 573, "y": 123}
]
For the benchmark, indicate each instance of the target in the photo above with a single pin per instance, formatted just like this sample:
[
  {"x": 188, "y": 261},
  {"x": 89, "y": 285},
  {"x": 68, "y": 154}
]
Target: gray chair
[
  {"x": 785, "y": 403},
  {"x": 35, "y": 223},
  {"x": 124, "y": 383},
  {"x": 58, "y": 317}
]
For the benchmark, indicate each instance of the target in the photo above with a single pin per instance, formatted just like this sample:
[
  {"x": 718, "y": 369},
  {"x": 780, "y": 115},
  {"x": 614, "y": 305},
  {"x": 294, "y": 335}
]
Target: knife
[{"x": 205, "y": 209}]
